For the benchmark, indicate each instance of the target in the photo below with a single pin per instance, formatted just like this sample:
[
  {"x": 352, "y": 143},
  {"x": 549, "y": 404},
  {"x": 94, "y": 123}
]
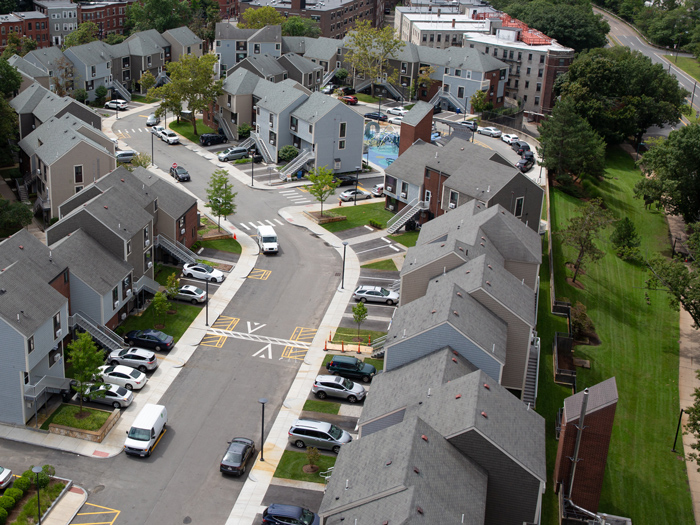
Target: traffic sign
[{"x": 174, "y": 165}]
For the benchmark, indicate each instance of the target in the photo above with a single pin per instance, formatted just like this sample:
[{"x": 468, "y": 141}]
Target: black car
[
  {"x": 154, "y": 339},
  {"x": 277, "y": 514},
  {"x": 437, "y": 109},
  {"x": 239, "y": 452},
  {"x": 375, "y": 115},
  {"x": 351, "y": 367},
  {"x": 526, "y": 163},
  {"x": 519, "y": 146},
  {"x": 207, "y": 139},
  {"x": 345, "y": 180},
  {"x": 180, "y": 173}
]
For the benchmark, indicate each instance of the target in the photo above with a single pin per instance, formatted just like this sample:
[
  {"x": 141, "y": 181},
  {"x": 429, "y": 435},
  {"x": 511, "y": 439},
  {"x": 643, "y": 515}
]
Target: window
[
  {"x": 539, "y": 86},
  {"x": 454, "y": 198},
  {"x": 30, "y": 345},
  {"x": 78, "y": 189},
  {"x": 343, "y": 129},
  {"x": 146, "y": 240},
  {"x": 516, "y": 83},
  {"x": 128, "y": 247},
  {"x": 293, "y": 123},
  {"x": 428, "y": 195},
  {"x": 460, "y": 92},
  {"x": 540, "y": 73},
  {"x": 562, "y": 62},
  {"x": 520, "y": 55},
  {"x": 510, "y": 54},
  {"x": 505, "y": 53},
  {"x": 527, "y": 84},
  {"x": 432, "y": 37},
  {"x": 425, "y": 36},
  {"x": 519, "y": 204},
  {"x": 115, "y": 294},
  {"x": 273, "y": 138},
  {"x": 311, "y": 128},
  {"x": 336, "y": 164},
  {"x": 57, "y": 323},
  {"x": 528, "y": 71},
  {"x": 256, "y": 49},
  {"x": 55, "y": 354},
  {"x": 404, "y": 187},
  {"x": 272, "y": 119},
  {"x": 529, "y": 56},
  {"x": 78, "y": 174},
  {"x": 458, "y": 72},
  {"x": 155, "y": 205},
  {"x": 341, "y": 144},
  {"x": 446, "y": 88},
  {"x": 495, "y": 51},
  {"x": 439, "y": 37},
  {"x": 537, "y": 101},
  {"x": 524, "y": 98}
]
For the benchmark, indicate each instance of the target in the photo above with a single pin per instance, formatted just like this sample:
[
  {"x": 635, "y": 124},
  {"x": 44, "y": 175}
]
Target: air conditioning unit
[
  {"x": 389, "y": 188},
  {"x": 228, "y": 104},
  {"x": 147, "y": 243},
  {"x": 128, "y": 293},
  {"x": 123, "y": 316},
  {"x": 58, "y": 333},
  {"x": 150, "y": 264},
  {"x": 391, "y": 207},
  {"x": 182, "y": 231},
  {"x": 56, "y": 357},
  {"x": 453, "y": 205},
  {"x": 116, "y": 304},
  {"x": 403, "y": 195}
]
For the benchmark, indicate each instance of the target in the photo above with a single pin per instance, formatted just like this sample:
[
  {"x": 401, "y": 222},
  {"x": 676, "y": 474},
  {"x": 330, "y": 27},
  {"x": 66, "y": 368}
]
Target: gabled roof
[
  {"x": 92, "y": 53},
  {"x": 267, "y": 34},
  {"x": 321, "y": 48},
  {"x": 515, "y": 429},
  {"x": 46, "y": 56},
  {"x": 26, "y": 67},
  {"x": 184, "y": 36},
  {"x": 123, "y": 216},
  {"x": 408, "y": 474},
  {"x": 277, "y": 97},
  {"x": 299, "y": 63},
  {"x": 171, "y": 199},
  {"x": 316, "y": 107},
  {"x": 33, "y": 255},
  {"x": 42, "y": 103},
  {"x": 417, "y": 113},
  {"x": 410, "y": 383},
  {"x": 600, "y": 396},
  {"x": 228, "y": 31},
  {"x": 145, "y": 43},
  {"x": 27, "y": 100},
  {"x": 91, "y": 262},
  {"x": 241, "y": 82},
  {"x": 265, "y": 64}
]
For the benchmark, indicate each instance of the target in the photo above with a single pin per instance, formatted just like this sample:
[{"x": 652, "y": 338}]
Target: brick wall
[{"x": 410, "y": 134}]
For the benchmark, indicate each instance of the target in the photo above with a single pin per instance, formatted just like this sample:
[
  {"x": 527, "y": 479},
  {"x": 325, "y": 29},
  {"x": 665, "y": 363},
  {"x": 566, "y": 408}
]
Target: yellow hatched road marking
[
  {"x": 106, "y": 510},
  {"x": 260, "y": 274},
  {"x": 213, "y": 340},
  {"x": 122, "y": 134},
  {"x": 224, "y": 322},
  {"x": 300, "y": 334}
]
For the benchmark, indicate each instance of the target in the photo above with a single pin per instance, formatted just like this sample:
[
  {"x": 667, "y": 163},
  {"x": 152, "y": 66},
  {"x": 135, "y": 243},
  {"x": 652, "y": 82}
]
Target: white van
[
  {"x": 267, "y": 239},
  {"x": 146, "y": 430}
]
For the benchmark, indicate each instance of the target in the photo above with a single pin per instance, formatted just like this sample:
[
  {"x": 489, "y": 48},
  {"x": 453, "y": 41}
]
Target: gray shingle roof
[
  {"x": 300, "y": 63},
  {"x": 228, "y": 31},
  {"x": 174, "y": 201},
  {"x": 391, "y": 474},
  {"x": 456, "y": 407},
  {"x": 121, "y": 215},
  {"x": 408, "y": 384},
  {"x": 321, "y": 48},
  {"x": 316, "y": 107},
  {"x": 90, "y": 262},
  {"x": 241, "y": 82},
  {"x": 417, "y": 113},
  {"x": 146, "y": 43},
  {"x": 93, "y": 53},
  {"x": 184, "y": 36},
  {"x": 33, "y": 255},
  {"x": 265, "y": 64},
  {"x": 27, "y": 100},
  {"x": 600, "y": 396},
  {"x": 27, "y": 68},
  {"x": 41, "y": 102},
  {"x": 276, "y": 97},
  {"x": 46, "y": 56},
  {"x": 267, "y": 34}
]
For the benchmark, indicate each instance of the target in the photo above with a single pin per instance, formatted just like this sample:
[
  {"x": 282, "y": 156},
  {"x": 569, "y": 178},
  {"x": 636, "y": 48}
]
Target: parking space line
[
  {"x": 213, "y": 340},
  {"x": 394, "y": 248},
  {"x": 270, "y": 222},
  {"x": 386, "y": 240},
  {"x": 224, "y": 322},
  {"x": 260, "y": 274},
  {"x": 377, "y": 248},
  {"x": 253, "y": 225},
  {"x": 107, "y": 511}
]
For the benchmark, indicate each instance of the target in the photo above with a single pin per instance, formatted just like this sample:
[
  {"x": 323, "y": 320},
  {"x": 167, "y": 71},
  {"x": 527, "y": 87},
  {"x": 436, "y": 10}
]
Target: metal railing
[
  {"x": 177, "y": 250},
  {"x": 162, "y": 78},
  {"x": 327, "y": 78},
  {"x": 104, "y": 335},
  {"x": 247, "y": 143},
  {"x": 397, "y": 221},
  {"x": 262, "y": 146},
  {"x": 224, "y": 125},
  {"x": 563, "y": 343},
  {"x": 532, "y": 373},
  {"x": 378, "y": 347},
  {"x": 303, "y": 157},
  {"x": 450, "y": 98},
  {"x": 119, "y": 87}
]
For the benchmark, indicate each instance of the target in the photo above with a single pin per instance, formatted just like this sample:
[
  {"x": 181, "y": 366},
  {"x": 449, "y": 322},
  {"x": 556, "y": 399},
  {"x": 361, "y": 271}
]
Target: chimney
[
  {"x": 453, "y": 22},
  {"x": 438, "y": 13}
]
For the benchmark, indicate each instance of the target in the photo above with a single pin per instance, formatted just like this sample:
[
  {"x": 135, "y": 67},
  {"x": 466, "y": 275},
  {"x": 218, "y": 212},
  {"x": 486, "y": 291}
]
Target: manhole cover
[
  {"x": 187, "y": 520},
  {"x": 98, "y": 488}
]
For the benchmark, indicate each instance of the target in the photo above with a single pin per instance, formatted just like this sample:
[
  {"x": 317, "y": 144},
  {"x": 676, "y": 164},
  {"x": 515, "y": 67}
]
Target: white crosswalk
[
  {"x": 295, "y": 196},
  {"x": 253, "y": 225}
]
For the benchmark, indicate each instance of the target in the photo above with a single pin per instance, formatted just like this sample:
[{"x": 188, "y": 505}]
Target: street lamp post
[
  {"x": 153, "y": 158},
  {"x": 206, "y": 305},
  {"x": 403, "y": 93},
  {"x": 252, "y": 166},
  {"x": 262, "y": 401},
  {"x": 37, "y": 471},
  {"x": 357, "y": 178},
  {"x": 342, "y": 279}
]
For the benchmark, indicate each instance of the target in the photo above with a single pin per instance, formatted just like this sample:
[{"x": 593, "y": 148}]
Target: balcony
[{"x": 564, "y": 368}]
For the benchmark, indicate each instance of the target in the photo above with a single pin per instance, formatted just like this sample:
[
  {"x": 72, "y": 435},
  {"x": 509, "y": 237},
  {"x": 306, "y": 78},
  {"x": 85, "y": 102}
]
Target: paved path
[{"x": 689, "y": 364}]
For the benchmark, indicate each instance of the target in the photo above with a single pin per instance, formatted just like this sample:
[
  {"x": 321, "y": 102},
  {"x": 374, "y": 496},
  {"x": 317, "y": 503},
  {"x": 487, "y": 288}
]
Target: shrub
[
  {"x": 3, "y": 516},
  {"x": 376, "y": 224},
  {"x": 7, "y": 503},
  {"x": 28, "y": 474},
  {"x": 15, "y": 493},
  {"x": 312, "y": 456},
  {"x": 288, "y": 153},
  {"x": 49, "y": 470},
  {"x": 22, "y": 484},
  {"x": 244, "y": 130},
  {"x": 581, "y": 324}
]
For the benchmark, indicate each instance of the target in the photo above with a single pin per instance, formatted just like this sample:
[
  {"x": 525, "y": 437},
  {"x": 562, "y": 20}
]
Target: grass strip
[{"x": 292, "y": 462}]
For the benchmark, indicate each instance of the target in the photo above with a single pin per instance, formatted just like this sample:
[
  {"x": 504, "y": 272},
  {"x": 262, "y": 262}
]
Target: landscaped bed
[
  {"x": 66, "y": 415},
  {"x": 223, "y": 245},
  {"x": 386, "y": 264},
  {"x": 325, "y": 407},
  {"x": 349, "y": 335},
  {"x": 184, "y": 128},
  {"x": 175, "y": 323},
  {"x": 23, "y": 507},
  {"x": 356, "y": 216},
  {"x": 408, "y": 239},
  {"x": 292, "y": 462}
]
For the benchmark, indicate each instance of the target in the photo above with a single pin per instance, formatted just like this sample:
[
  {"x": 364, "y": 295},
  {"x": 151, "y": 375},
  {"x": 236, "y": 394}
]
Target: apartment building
[
  {"x": 110, "y": 17},
  {"x": 62, "y": 18},
  {"x": 29, "y": 24}
]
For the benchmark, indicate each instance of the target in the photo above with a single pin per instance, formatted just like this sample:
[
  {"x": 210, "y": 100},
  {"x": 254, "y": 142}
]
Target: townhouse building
[
  {"x": 302, "y": 70},
  {"x": 62, "y": 18},
  {"x": 182, "y": 42},
  {"x": 233, "y": 44},
  {"x": 52, "y": 63},
  {"x": 265, "y": 66},
  {"x": 326, "y": 52},
  {"x": 30, "y": 73},
  {"x": 110, "y": 17}
]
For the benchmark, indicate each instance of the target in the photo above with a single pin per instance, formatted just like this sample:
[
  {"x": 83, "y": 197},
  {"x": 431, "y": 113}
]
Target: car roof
[
  {"x": 364, "y": 287},
  {"x": 311, "y": 423},
  {"x": 189, "y": 287},
  {"x": 333, "y": 379},
  {"x": 347, "y": 358},
  {"x": 138, "y": 350},
  {"x": 287, "y": 511}
]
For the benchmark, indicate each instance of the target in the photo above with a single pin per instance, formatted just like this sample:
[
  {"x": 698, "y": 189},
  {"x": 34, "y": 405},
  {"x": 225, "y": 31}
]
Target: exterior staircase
[
  {"x": 405, "y": 215},
  {"x": 262, "y": 148},
  {"x": 532, "y": 374},
  {"x": 119, "y": 88},
  {"x": 176, "y": 249},
  {"x": 446, "y": 95},
  {"x": 247, "y": 143},
  {"x": 327, "y": 78},
  {"x": 363, "y": 84},
  {"x": 162, "y": 78},
  {"x": 224, "y": 125},
  {"x": 294, "y": 166},
  {"x": 100, "y": 333}
]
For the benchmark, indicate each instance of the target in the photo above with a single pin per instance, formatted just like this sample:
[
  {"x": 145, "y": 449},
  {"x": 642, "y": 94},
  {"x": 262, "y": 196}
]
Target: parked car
[
  {"x": 125, "y": 376},
  {"x": 117, "y": 104},
  {"x": 375, "y": 294},
  {"x": 191, "y": 293},
  {"x": 150, "y": 338},
  {"x": 395, "y": 120},
  {"x": 350, "y": 195},
  {"x": 334, "y": 386},
  {"x": 114, "y": 395},
  {"x": 349, "y": 99},
  {"x": 351, "y": 367},
  {"x": 508, "y": 138},
  {"x": 125, "y": 156},
  {"x": 233, "y": 154},
  {"x": 378, "y": 190},
  {"x": 135, "y": 357},
  {"x": 277, "y": 514},
  {"x": 328, "y": 89},
  {"x": 152, "y": 120},
  {"x": 490, "y": 131},
  {"x": 437, "y": 109},
  {"x": 203, "y": 271},
  {"x": 157, "y": 131},
  {"x": 469, "y": 124},
  {"x": 346, "y": 90},
  {"x": 519, "y": 146},
  {"x": 525, "y": 164},
  {"x": 310, "y": 433},
  {"x": 345, "y": 180},
  {"x": 5, "y": 477},
  {"x": 170, "y": 137},
  {"x": 207, "y": 139},
  {"x": 239, "y": 453},
  {"x": 400, "y": 111},
  {"x": 375, "y": 115},
  {"x": 180, "y": 173}
]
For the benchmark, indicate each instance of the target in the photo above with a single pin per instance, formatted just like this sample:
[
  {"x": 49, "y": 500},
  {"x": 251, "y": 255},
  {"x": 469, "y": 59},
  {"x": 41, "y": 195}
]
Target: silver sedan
[{"x": 491, "y": 132}]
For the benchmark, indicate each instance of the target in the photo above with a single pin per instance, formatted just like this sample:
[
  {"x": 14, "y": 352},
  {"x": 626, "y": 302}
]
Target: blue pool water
[
  {"x": 381, "y": 143},
  {"x": 383, "y": 155}
]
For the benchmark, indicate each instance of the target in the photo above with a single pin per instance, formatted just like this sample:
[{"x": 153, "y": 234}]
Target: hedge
[
  {"x": 22, "y": 484},
  {"x": 7, "y": 503},
  {"x": 15, "y": 493},
  {"x": 3, "y": 516}
]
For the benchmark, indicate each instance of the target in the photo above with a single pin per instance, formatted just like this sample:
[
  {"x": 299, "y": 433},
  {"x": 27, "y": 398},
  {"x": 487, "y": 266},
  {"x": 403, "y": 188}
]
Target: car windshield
[
  {"x": 139, "y": 434},
  {"x": 347, "y": 384},
  {"x": 335, "y": 432},
  {"x": 135, "y": 374},
  {"x": 269, "y": 238},
  {"x": 158, "y": 335},
  {"x": 307, "y": 517},
  {"x": 384, "y": 291},
  {"x": 207, "y": 268},
  {"x": 233, "y": 456}
]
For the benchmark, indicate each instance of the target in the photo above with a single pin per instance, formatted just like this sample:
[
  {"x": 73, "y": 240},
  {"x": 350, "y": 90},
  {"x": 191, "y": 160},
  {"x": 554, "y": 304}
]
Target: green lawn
[
  {"x": 163, "y": 272},
  {"x": 325, "y": 407},
  {"x": 408, "y": 239},
  {"x": 184, "y": 128},
  {"x": 687, "y": 64},
  {"x": 65, "y": 415},
  {"x": 175, "y": 324},
  {"x": 349, "y": 335},
  {"x": 376, "y": 363},
  {"x": 643, "y": 479},
  {"x": 369, "y": 99},
  {"x": 141, "y": 98},
  {"x": 223, "y": 245},
  {"x": 359, "y": 215},
  {"x": 386, "y": 264},
  {"x": 292, "y": 462}
]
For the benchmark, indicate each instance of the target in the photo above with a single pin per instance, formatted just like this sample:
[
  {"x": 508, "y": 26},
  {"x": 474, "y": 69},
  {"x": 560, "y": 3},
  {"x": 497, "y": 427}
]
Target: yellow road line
[
  {"x": 259, "y": 274},
  {"x": 300, "y": 334},
  {"x": 107, "y": 510},
  {"x": 224, "y": 322},
  {"x": 213, "y": 340}
]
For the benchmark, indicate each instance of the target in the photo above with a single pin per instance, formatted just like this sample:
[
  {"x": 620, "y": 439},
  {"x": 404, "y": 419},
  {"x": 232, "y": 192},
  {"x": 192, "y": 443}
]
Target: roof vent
[
  {"x": 486, "y": 386},
  {"x": 415, "y": 469},
  {"x": 387, "y": 463},
  {"x": 483, "y": 414},
  {"x": 433, "y": 312},
  {"x": 2, "y": 291},
  {"x": 488, "y": 282},
  {"x": 458, "y": 396},
  {"x": 459, "y": 294},
  {"x": 106, "y": 208},
  {"x": 454, "y": 360},
  {"x": 455, "y": 312},
  {"x": 483, "y": 238},
  {"x": 122, "y": 180},
  {"x": 467, "y": 271},
  {"x": 424, "y": 437},
  {"x": 443, "y": 244},
  {"x": 481, "y": 243},
  {"x": 490, "y": 268},
  {"x": 419, "y": 510},
  {"x": 21, "y": 247}
]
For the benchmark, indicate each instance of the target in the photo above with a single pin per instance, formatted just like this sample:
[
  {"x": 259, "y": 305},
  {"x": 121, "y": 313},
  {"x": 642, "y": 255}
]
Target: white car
[
  {"x": 203, "y": 271},
  {"x": 509, "y": 139},
  {"x": 5, "y": 477},
  {"x": 114, "y": 395},
  {"x": 395, "y": 120},
  {"x": 125, "y": 376},
  {"x": 491, "y": 132},
  {"x": 171, "y": 137},
  {"x": 400, "y": 111},
  {"x": 116, "y": 104},
  {"x": 157, "y": 131},
  {"x": 144, "y": 360}
]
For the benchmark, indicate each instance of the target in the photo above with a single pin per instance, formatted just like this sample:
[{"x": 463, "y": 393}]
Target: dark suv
[
  {"x": 351, "y": 367},
  {"x": 519, "y": 146},
  {"x": 277, "y": 514},
  {"x": 207, "y": 139}
]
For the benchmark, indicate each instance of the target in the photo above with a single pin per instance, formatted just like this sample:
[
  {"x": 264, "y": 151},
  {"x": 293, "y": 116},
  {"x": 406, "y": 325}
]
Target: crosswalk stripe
[
  {"x": 246, "y": 227},
  {"x": 394, "y": 248},
  {"x": 270, "y": 222},
  {"x": 279, "y": 222},
  {"x": 287, "y": 191},
  {"x": 253, "y": 225},
  {"x": 301, "y": 202}
]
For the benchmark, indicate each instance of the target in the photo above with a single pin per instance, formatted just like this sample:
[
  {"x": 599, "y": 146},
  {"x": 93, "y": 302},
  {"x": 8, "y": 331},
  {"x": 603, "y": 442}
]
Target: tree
[
  {"x": 87, "y": 32},
  {"x": 568, "y": 143},
  {"x": 160, "y": 15},
  {"x": 205, "y": 15},
  {"x": 675, "y": 164},
  {"x": 172, "y": 286},
  {"x": 160, "y": 305},
  {"x": 114, "y": 38},
  {"x": 692, "y": 426},
  {"x": 14, "y": 215},
  {"x": 370, "y": 49},
  {"x": 297, "y": 26},
  {"x": 341, "y": 74},
  {"x": 147, "y": 81},
  {"x": 625, "y": 238},
  {"x": 17, "y": 45},
  {"x": 100, "y": 95},
  {"x": 621, "y": 93},
  {"x": 425, "y": 79},
  {"x": 582, "y": 233},
  {"x": 359, "y": 315},
  {"x": 244, "y": 130},
  {"x": 288, "y": 153},
  {"x": 478, "y": 102},
  {"x": 62, "y": 80},
  {"x": 680, "y": 283},
  {"x": 9, "y": 127},
  {"x": 221, "y": 196},
  {"x": 86, "y": 359},
  {"x": 581, "y": 324},
  {"x": 191, "y": 82},
  {"x": 313, "y": 456},
  {"x": 323, "y": 184},
  {"x": 10, "y": 79},
  {"x": 140, "y": 160},
  {"x": 81, "y": 95},
  {"x": 259, "y": 18}
]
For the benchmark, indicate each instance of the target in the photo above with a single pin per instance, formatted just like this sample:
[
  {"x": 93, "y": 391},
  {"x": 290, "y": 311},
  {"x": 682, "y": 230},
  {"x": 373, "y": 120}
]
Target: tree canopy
[
  {"x": 160, "y": 15},
  {"x": 86, "y": 359},
  {"x": 8, "y": 128},
  {"x": 17, "y": 45},
  {"x": 297, "y": 26},
  {"x": 370, "y": 49},
  {"x": 259, "y": 18},
  {"x": 87, "y": 32},
  {"x": 621, "y": 93},
  {"x": 205, "y": 15},
  {"x": 10, "y": 78},
  {"x": 221, "y": 195},
  {"x": 323, "y": 184}
]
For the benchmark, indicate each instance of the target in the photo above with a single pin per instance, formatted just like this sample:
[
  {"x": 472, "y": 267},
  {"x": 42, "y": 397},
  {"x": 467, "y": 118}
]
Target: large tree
[
  {"x": 568, "y": 143},
  {"x": 10, "y": 79},
  {"x": 674, "y": 163},
  {"x": 221, "y": 195},
  {"x": 621, "y": 93},
  {"x": 297, "y": 26},
  {"x": 205, "y": 15},
  {"x": 86, "y": 358},
  {"x": 323, "y": 184},
  {"x": 192, "y": 83},
  {"x": 62, "y": 79},
  {"x": 17, "y": 45},
  {"x": 259, "y": 18},
  {"x": 87, "y": 32},
  {"x": 369, "y": 49},
  {"x": 160, "y": 15},
  {"x": 8, "y": 129},
  {"x": 14, "y": 215}
]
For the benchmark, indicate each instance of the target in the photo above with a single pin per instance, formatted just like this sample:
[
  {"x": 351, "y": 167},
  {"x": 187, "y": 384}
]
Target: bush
[
  {"x": 49, "y": 470},
  {"x": 22, "y": 484},
  {"x": 244, "y": 130},
  {"x": 7, "y": 503},
  {"x": 312, "y": 456},
  {"x": 3, "y": 516},
  {"x": 581, "y": 324},
  {"x": 15, "y": 493},
  {"x": 376, "y": 224},
  {"x": 288, "y": 153},
  {"x": 43, "y": 477}
]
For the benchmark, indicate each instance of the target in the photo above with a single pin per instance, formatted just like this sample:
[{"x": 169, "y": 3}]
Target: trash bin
[{"x": 300, "y": 174}]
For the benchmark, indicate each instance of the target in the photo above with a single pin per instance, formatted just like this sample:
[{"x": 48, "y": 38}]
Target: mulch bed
[{"x": 14, "y": 513}]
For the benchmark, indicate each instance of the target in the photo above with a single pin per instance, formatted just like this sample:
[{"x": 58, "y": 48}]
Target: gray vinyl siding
[
  {"x": 414, "y": 284},
  {"x": 521, "y": 186},
  {"x": 227, "y": 53},
  {"x": 266, "y": 48},
  {"x": 440, "y": 336},
  {"x": 526, "y": 271},
  {"x": 513, "y": 493},
  {"x": 84, "y": 114},
  {"x": 83, "y": 73},
  {"x": 98, "y": 231},
  {"x": 381, "y": 423},
  {"x": 85, "y": 300},
  {"x": 327, "y": 132},
  {"x": 44, "y": 340},
  {"x": 11, "y": 384}
]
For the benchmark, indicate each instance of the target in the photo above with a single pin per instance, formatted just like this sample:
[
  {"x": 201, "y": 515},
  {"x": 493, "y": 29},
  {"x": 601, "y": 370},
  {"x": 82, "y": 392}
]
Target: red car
[{"x": 349, "y": 99}]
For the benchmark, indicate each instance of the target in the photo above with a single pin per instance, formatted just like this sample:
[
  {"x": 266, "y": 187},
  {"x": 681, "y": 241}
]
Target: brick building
[
  {"x": 110, "y": 17},
  {"x": 30, "y": 24}
]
